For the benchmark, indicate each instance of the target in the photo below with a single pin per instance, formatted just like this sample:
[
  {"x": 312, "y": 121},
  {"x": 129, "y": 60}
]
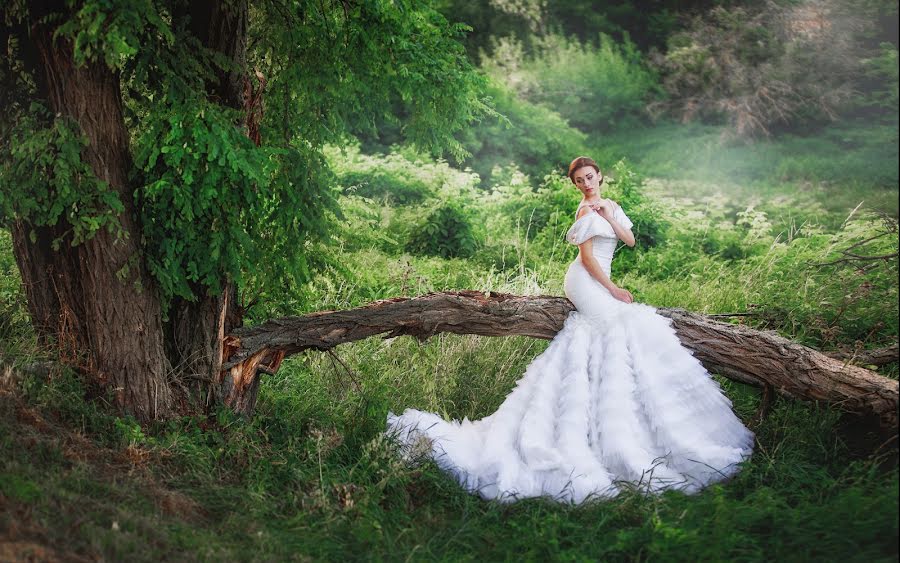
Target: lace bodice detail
[{"x": 592, "y": 226}]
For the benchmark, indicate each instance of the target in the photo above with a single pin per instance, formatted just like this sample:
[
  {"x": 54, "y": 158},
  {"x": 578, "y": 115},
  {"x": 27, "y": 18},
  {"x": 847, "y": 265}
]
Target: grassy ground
[{"x": 311, "y": 477}]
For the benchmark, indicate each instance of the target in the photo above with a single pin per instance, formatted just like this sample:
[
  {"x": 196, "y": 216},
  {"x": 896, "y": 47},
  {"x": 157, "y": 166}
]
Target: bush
[
  {"x": 626, "y": 188},
  {"x": 401, "y": 177},
  {"x": 593, "y": 87},
  {"x": 533, "y": 209},
  {"x": 533, "y": 137},
  {"x": 446, "y": 232},
  {"x": 15, "y": 327},
  {"x": 884, "y": 79},
  {"x": 770, "y": 66}
]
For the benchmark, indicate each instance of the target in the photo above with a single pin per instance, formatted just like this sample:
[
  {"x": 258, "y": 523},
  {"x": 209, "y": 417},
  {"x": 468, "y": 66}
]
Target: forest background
[{"x": 755, "y": 146}]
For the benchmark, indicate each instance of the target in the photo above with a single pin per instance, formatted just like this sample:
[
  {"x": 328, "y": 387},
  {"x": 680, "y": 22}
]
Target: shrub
[
  {"x": 446, "y": 232},
  {"x": 884, "y": 77},
  {"x": 593, "y": 87},
  {"x": 533, "y": 209},
  {"x": 626, "y": 188},
  {"x": 14, "y": 321},
  {"x": 774, "y": 65},
  {"x": 401, "y": 177},
  {"x": 533, "y": 137}
]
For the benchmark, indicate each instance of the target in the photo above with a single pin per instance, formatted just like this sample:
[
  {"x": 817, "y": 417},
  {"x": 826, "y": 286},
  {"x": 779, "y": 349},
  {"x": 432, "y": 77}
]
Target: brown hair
[{"x": 581, "y": 162}]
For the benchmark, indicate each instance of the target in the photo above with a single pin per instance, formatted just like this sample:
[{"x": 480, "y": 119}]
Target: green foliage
[
  {"x": 19, "y": 489},
  {"x": 626, "y": 187},
  {"x": 205, "y": 189},
  {"x": 593, "y": 87},
  {"x": 793, "y": 281},
  {"x": 63, "y": 392},
  {"x": 463, "y": 218},
  {"x": 14, "y": 322},
  {"x": 113, "y": 30},
  {"x": 398, "y": 178},
  {"x": 46, "y": 182},
  {"x": 446, "y": 231},
  {"x": 536, "y": 139},
  {"x": 836, "y": 304},
  {"x": 883, "y": 71},
  {"x": 388, "y": 187},
  {"x": 533, "y": 209},
  {"x": 837, "y": 168},
  {"x": 387, "y": 197},
  {"x": 212, "y": 205},
  {"x": 529, "y": 20},
  {"x": 375, "y": 62}
]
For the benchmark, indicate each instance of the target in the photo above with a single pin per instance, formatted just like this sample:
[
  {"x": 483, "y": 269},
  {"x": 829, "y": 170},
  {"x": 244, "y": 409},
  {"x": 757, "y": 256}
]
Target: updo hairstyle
[{"x": 581, "y": 162}]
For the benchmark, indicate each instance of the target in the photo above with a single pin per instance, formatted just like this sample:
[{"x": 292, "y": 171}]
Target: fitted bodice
[
  {"x": 603, "y": 249},
  {"x": 603, "y": 237}
]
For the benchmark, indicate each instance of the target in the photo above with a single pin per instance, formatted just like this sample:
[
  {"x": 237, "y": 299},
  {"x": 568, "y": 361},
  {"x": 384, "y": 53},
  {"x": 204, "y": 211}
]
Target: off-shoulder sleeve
[
  {"x": 621, "y": 218},
  {"x": 587, "y": 226}
]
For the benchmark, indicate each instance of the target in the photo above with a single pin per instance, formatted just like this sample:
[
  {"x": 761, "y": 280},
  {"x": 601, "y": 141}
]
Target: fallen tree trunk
[
  {"x": 879, "y": 357},
  {"x": 760, "y": 358}
]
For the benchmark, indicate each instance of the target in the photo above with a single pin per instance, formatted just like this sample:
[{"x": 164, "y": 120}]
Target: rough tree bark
[
  {"x": 96, "y": 295},
  {"x": 107, "y": 323},
  {"x": 879, "y": 357},
  {"x": 37, "y": 266},
  {"x": 34, "y": 260},
  {"x": 757, "y": 357}
]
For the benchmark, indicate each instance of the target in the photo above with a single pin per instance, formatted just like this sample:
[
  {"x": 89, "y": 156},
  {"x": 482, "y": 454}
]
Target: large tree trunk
[
  {"x": 221, "y": 25},
  {"x": 96, "y": 296},
  {"x": 738, "y": 352},
  {"x": 37, "y": 264},
  {"x": 196, "y": 329},
  {"x": 109, "y": 327},
  {"x": 36, "y": 261}
]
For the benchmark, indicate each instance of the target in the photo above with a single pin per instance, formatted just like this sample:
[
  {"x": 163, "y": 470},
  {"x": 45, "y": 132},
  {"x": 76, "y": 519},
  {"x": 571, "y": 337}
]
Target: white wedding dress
[{"x": 614, "y": 402}]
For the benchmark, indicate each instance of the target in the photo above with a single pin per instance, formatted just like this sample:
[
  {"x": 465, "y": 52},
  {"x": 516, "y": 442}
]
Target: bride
[{"x": 614, "y": 402}]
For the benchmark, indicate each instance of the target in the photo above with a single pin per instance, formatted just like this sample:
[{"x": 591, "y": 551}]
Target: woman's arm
[
  {"x": 624, "y": 234},
  {"x": 608, "y": 213}
]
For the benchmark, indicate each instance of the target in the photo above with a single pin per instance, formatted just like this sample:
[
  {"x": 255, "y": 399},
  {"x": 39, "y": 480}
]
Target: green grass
[{"x": 311, "y": 477}]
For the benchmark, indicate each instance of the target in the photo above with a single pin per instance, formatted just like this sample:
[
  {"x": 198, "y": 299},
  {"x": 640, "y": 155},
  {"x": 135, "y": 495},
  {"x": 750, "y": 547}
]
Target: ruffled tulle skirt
[{"x": 614, "y": 402}]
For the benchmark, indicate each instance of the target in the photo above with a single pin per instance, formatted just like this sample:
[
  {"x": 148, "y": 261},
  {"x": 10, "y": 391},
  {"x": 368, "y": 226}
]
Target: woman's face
[{"x": 587, "y": 180}]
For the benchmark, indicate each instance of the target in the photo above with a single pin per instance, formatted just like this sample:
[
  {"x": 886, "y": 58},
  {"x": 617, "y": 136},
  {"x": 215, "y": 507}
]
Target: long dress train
[{"x": 614, "y": 402}]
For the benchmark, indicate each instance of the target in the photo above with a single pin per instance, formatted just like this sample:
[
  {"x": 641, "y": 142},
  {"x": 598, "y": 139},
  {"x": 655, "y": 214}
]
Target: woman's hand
[
  {"x": 604, "y": 208},
  {"x": 621, "y": 294}
]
